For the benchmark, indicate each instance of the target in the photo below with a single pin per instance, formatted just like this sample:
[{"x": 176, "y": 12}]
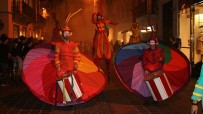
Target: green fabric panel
[{"x": 167, "y": 53}]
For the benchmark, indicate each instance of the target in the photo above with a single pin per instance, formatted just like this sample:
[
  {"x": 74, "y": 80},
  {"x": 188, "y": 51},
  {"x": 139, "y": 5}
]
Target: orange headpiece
[{"x": 67, "y": 28}]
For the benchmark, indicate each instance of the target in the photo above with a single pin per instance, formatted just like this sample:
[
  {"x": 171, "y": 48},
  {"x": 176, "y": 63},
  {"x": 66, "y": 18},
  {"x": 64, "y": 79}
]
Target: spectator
[
  {"x": 21, "y": 46},
  {"x": 197, "y": 94},
  {"x": 4, "y": 60},
  {"x": 116, "y": 46}
]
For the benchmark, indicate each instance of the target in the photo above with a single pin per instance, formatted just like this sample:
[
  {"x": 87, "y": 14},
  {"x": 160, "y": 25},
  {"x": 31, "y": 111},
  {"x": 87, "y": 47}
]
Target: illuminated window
[{"x": 16, "y": 31}]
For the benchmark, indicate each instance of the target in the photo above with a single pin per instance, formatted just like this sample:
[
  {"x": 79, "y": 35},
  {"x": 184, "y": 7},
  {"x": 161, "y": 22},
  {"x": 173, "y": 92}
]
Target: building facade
[{"x": 21, "y": 17}]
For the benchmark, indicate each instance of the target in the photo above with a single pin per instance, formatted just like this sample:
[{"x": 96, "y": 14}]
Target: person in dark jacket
[{"x": 4, "y": 59}]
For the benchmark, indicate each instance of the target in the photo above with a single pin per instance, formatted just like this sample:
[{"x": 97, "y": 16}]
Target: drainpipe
[{"x": 192, "y": 10}]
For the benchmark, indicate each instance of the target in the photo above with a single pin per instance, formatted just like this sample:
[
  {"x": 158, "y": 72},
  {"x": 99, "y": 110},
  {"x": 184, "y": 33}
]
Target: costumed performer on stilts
[
  {"x": 101, "y": 43},
  {"x": 135, "y": 37}
]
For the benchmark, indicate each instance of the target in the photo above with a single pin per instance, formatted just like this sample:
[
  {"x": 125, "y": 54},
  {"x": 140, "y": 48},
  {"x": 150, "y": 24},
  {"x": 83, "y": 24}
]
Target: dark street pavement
[{"x": 114, "y": 99}]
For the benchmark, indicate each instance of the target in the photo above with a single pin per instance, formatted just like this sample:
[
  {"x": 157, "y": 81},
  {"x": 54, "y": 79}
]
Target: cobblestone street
[{"x": 114, "y": 99}]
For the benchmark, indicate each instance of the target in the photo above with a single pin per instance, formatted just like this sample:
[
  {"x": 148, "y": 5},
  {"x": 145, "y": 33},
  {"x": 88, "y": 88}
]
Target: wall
[
  {"x": 6, "y": 17},
  {"x": 81, "y": 24}
]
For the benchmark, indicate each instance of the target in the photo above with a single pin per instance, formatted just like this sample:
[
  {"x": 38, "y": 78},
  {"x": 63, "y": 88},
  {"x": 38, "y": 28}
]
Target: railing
[
  {"x": 40, "y": 22},
  {"x": 144, "y": 8},
  {"x": 28, "y": 14},
  {"x": 28, "y": 11},
  {"x": 16, "y": 6}
]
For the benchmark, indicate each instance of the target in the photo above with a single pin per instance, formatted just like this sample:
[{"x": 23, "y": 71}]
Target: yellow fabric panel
[{"x": 86, "y": 65}]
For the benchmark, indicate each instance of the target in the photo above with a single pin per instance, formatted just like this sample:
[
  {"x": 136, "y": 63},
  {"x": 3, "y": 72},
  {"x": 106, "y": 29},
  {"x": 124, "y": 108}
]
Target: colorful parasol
[
  {"x": 128, "y": 66},
  {"x": 39, "y": 74}
]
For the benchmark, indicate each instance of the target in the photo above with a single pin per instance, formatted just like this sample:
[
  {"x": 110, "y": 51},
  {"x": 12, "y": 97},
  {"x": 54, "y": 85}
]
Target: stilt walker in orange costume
[
  {"x": 135, "y": 29},
  {"x": 101, "y": 43}
]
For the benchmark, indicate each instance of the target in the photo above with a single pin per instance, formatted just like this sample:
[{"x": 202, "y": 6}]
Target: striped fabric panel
[
  {"x": 76, "y": 89},
  {"x": 160, "y": 88}
]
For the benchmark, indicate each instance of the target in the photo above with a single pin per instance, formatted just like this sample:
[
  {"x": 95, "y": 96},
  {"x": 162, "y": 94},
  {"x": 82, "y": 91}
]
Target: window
[
  {"x": 24, "y": 31},
  {"x": 16, "y": 31}
]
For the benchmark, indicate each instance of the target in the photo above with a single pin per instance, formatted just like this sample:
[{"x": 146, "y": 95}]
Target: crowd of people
[{"x": 13, "y": 52}]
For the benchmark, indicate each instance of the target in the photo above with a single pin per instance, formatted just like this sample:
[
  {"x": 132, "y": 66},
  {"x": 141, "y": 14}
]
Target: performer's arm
[
  {"x": 126, "y": 30},
  {"x": 109, "y": 22},
  {"x": 145, "y": 61},
  {"x": 56, "y": 59},
  {"x": 76, "y": 58},
  {"x": 162, "y": 58},
  {"x": 93, "y": 18}
]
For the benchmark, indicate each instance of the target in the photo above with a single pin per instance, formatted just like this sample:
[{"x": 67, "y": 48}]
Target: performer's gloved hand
[
  {"x": 148, "y": 77},
  {"x": 160, "y": 59},
  {"x": 58, "y": 67},
  {"x": 75, "y": 66},
  {"x": 146, "y": 72}
]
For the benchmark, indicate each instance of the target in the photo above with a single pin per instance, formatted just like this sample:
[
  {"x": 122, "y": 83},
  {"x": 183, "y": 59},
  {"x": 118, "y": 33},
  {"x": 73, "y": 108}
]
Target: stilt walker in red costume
[{"x": 101, "y": 43}]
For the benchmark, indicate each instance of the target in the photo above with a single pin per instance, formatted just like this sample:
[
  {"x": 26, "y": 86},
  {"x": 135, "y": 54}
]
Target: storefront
[{"x": 191, "y": 30}]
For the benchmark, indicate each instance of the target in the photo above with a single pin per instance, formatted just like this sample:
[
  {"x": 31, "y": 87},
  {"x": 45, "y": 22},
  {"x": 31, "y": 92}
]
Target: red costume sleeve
[
  {"x": 93, "y": 18},
  {"x": 162, "y": 56},
  {"x": 144, "y": 60},
  {"x": 76, "y": 53},
  {"x": 109, "y": 22},
  {"x": 56, "y": 55}
]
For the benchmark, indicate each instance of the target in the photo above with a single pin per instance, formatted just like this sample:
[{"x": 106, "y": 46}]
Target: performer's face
[
  {"x": 66, "y": 35},
  {"x": 99, "y": 17},
  {"x": 152, "y": 44}
]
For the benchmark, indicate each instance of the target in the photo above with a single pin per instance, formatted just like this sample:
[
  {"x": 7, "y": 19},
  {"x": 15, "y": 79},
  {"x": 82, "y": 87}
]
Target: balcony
[
  {"x": 26, "y": 17},
  {"x": 147, "y": 7},
  {"x": 40, "y": 22}
]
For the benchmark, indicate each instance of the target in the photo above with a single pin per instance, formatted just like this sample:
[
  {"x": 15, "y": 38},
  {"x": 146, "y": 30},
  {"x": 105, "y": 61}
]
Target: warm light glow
[
  {"x": 149, "y": 29},
  {"x": 143, "y": 31},
  {"x": 200, "y": 17},
  {"x": 44, "y": 13},
  {"x": 42, "y": 38},
  {"x": 129, "y": 32},
  {"x": 95, "y": 6},
  {"x": 21, "y": 33},
  {"x": 36, "y": 35}
]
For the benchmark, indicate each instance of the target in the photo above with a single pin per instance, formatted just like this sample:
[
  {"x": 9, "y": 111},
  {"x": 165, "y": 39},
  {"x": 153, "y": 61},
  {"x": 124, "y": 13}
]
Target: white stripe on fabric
[
  {"x": 76, "y": 88},
  {"x": 161, "y": 88},
  {"x": 152, "y": 92},
  {"x": 168, "y": 83},
  {"x": 67, "y": 97}
]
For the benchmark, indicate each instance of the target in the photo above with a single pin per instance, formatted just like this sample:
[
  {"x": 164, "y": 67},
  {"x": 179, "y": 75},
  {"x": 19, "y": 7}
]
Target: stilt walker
[{"x": 101, "y": 43}]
